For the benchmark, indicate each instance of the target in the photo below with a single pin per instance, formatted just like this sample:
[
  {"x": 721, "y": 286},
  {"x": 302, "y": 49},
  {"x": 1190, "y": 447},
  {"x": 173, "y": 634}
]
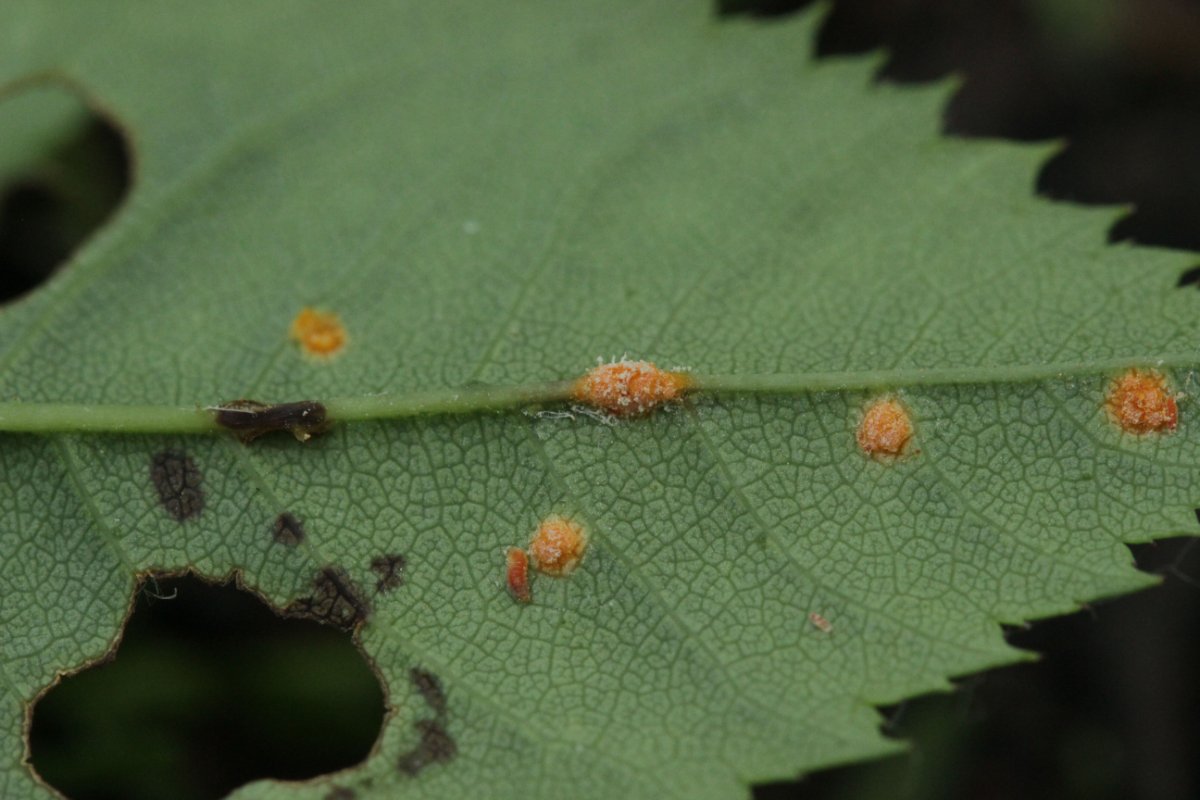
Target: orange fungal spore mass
[
  {"x": 885, "y": 429},
  {"x": 318, "y": 332},
  {"x": 629, "y": 388},
  {"x": 1140, "y": 402},
  {"x": 557, "y": 546},
  {"x": 820, "y": 623}
]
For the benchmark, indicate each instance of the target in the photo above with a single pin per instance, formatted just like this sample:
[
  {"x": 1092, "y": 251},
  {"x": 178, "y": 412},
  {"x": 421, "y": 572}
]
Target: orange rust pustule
[
  {"x": 319, "y": 333},
  {"x": 885, "y": 429},
  {"x": 820, "y": 623},
  {"x": 517, "y": 572},
  {"x": 1140, "y": 402},
  {"x": 557, "y": 546},
  {"x": 629, "y": 388}
]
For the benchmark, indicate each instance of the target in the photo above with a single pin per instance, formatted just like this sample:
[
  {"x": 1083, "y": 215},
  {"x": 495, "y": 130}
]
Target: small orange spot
[
  {"x": 318, "y": 332},
  {"x": 885, "y": 429},
  {"x": 557, "y": 546},
  {"x": 628, "y": 388},
  {"x": 518, "y": 575},
  {"x": 820, "y": 623},
  {"x": 1140, "y": 402}
]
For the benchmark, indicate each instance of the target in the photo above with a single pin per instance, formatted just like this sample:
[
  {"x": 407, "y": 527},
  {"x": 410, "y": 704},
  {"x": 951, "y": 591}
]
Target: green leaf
[{"x": 491, "y": 196}]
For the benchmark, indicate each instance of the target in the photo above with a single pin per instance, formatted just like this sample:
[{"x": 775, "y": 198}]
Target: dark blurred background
[
  {"x": 212, "y": 689},
  {"x": 1112, "y": 711}
]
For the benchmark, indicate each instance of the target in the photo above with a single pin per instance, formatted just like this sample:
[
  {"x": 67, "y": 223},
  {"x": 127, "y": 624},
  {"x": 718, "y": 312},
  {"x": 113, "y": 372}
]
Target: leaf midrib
[{"x": 38, "y": 417}]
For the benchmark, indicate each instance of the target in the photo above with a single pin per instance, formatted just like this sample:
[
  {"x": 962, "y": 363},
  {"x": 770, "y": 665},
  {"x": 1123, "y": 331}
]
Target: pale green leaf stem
[{"x": 18, "y": 417}]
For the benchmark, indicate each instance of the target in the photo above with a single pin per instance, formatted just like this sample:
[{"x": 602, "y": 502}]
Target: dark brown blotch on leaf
[
  {"x": 436, "y": 746},
  {"x": 288, "y": 530},
  {"x": 340, "y": 793},
  {"x": 178, "y": 483},
  {"x": 431, "y": 690},
  {"x": 335, "y": 600},
  {"x": 390, "y": 569}
]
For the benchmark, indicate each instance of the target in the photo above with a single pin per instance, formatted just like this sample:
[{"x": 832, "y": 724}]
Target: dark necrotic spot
[
  {"x": 178, "y": 483},
  {"x": 335, "y": 600},
  {"x": 390, "y": 569},
  {"x": 1196, "y": 511},
  {"x": 431, "y": 690},
  {"x": 340, "y": 793},
  {"x": 436, "y": 746},
  {"x": 288, "y": 530}
]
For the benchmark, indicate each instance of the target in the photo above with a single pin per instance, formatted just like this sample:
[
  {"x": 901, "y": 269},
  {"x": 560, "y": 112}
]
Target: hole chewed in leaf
[
  {"x": 74, "y": 173},
  {"x": 179, "y": 484},
  {"x": 336, "y": 600},
  {"x": 210, "y": 688}
]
